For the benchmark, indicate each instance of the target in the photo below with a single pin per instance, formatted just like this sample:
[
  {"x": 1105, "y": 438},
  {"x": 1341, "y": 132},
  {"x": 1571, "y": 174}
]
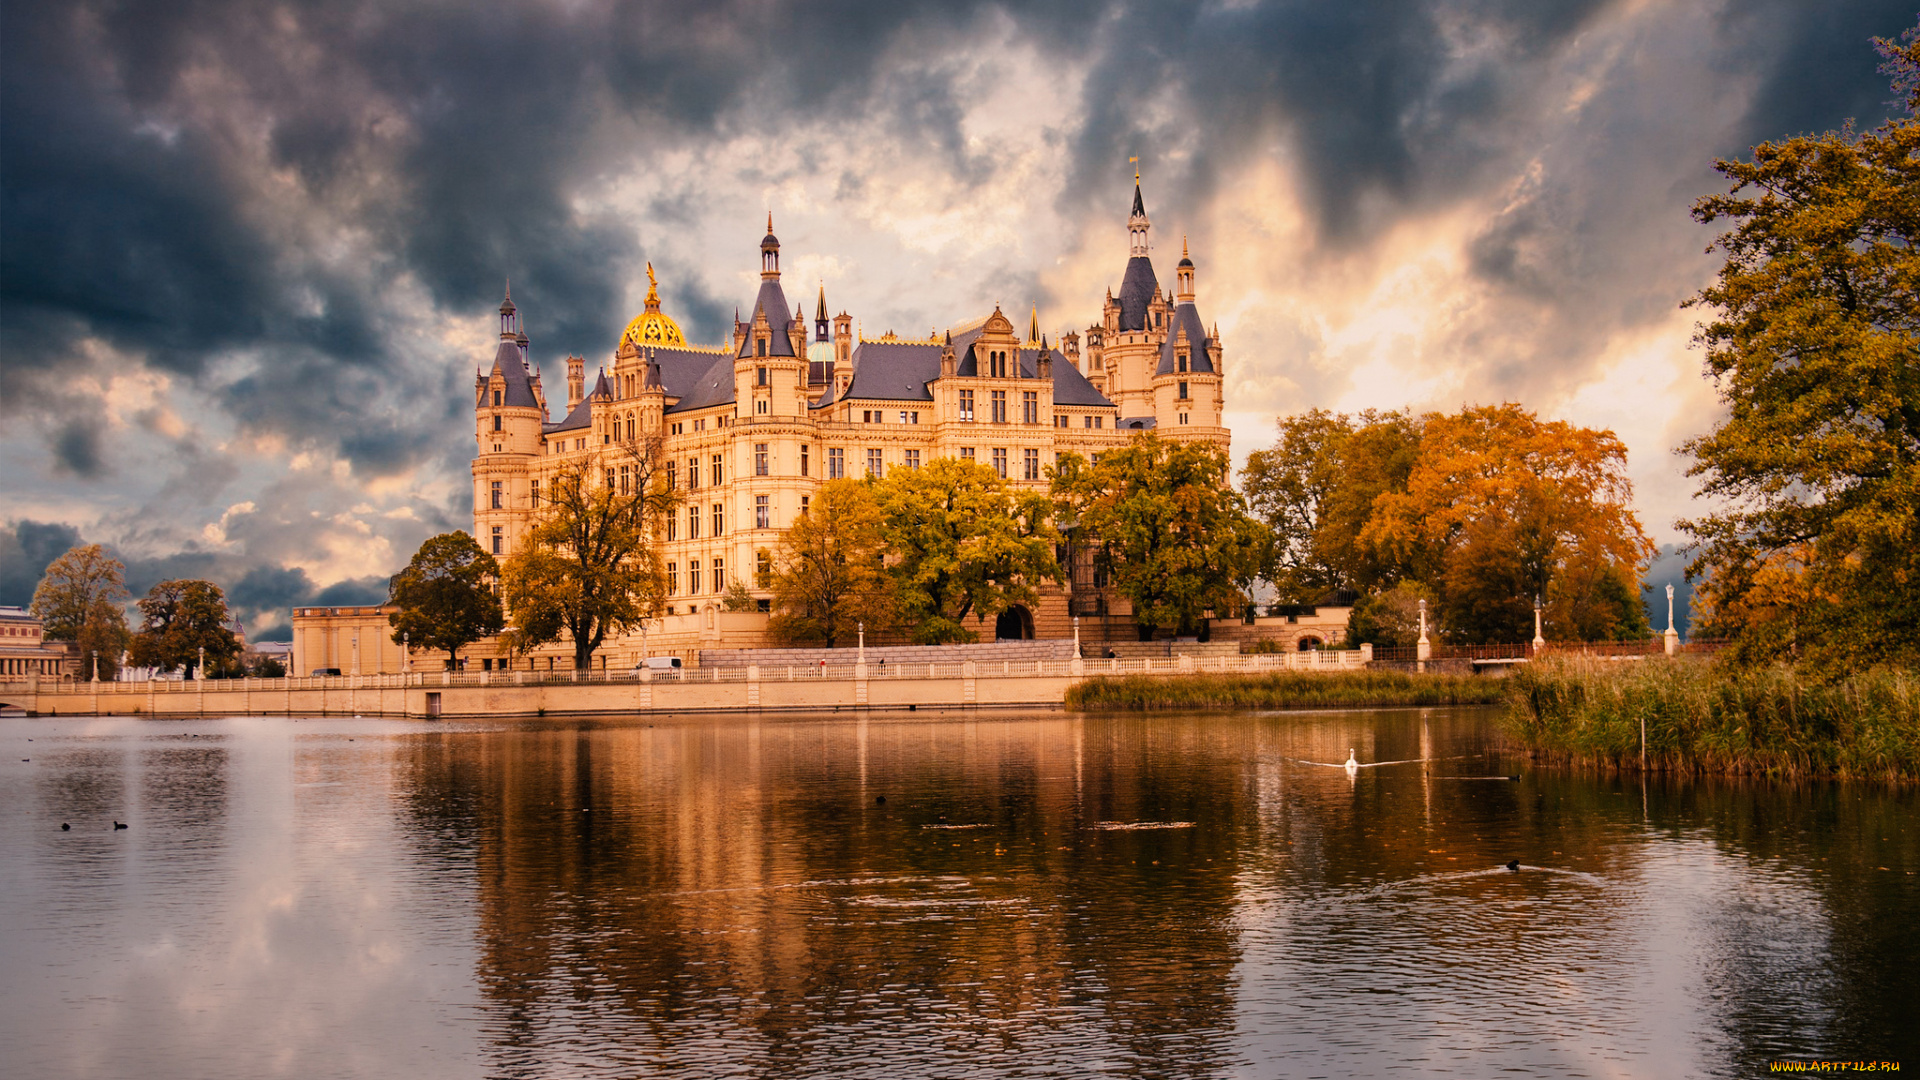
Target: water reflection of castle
[{"x": 740, "y": 889}]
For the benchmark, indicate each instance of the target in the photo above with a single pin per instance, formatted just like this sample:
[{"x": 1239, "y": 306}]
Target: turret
[
  {"x": 576, "y": 380},
  {"x": 1072, "y": 349},
  {"x": 797, "y": 331},
  {"x": 1183, "y": 274},
  {"x": 1043, "y": 367},
  {"x": 947, "y": 358},
  {"x": 842, "y": 339},
  {"x": 770, "y": 253}
]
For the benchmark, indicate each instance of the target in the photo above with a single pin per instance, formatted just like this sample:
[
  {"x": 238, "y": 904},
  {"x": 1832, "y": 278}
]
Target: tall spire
[
  {"x": 1033, "y": 324},
  {"x": 1137, "y": 223},
  {"x": 820, "y": 313}
]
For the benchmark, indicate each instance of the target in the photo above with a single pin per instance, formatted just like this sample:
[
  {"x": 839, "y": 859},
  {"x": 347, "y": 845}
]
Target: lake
[{"x": 1048, "y": 895}]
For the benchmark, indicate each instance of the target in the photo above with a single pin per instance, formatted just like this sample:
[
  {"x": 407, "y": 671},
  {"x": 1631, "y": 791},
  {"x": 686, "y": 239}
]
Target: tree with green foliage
[
  {"x": 1813, "y": 343},
  {"x": 179, "y": 618},
  {"x": 590, "y": 564},
  {"x": 1315, "y": 491},
  {"x": 446, "y": 596},
  {"x": 960, "y": 542},
  {"x": 1390, "y": 619},
  {"x": 830, "y": 573},
  {"x": 82, "y": 598},
  {"x": 1170, "y": 526}
]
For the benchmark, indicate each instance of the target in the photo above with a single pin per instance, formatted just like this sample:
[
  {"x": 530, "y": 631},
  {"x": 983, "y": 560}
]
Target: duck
[
  {"x": 65, "y": 827},
  {"x": 119, "y": 825},
  {"x": 1513, "y": 865}
]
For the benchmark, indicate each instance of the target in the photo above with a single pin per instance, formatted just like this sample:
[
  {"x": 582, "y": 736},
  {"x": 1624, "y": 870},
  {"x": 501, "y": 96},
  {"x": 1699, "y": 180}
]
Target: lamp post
[
  {"x": 1672, "y": 635},
  {"x": 200, "y": 669},
  {"x": 355, "y": 670},
  {"x": 406, "y": 652},
  {"x": 863, "y": 641},
  {"x": 1539, "y": 639},
  {"x": 1076, "y": 637}
]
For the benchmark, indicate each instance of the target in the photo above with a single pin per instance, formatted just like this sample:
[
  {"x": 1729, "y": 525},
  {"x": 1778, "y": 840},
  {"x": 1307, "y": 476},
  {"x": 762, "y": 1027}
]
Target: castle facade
[{"x": 753, "y": 427}]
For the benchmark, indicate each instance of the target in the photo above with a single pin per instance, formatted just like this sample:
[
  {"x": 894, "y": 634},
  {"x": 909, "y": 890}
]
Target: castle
[{"x": 753, "y": 427}]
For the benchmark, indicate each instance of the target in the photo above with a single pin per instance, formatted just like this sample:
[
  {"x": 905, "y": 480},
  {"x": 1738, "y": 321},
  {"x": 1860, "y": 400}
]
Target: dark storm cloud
[
  {"x": 263, "y": 594},
  {"x": 26, "y": 547}
]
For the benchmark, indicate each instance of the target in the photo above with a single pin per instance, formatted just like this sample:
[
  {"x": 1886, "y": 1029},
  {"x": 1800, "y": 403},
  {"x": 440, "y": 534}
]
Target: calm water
[{"x": 1162, "y": 896}]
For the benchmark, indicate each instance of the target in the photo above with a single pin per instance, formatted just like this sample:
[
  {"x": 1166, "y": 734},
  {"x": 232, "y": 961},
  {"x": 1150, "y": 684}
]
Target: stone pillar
[
  {"x": 1672, "y": 635},
  {"x": 1539, "y": 639},
  {"x": 1423, "y": 651},
  {"x": 1366, "y": 652}
]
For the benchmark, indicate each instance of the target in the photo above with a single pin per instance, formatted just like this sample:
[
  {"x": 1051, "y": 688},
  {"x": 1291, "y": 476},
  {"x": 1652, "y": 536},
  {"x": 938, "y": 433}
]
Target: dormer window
[
  {"x": 496, "y": 401},
  {"x": 760, "y": 346},
  {"x": 1183, "y": 362}
]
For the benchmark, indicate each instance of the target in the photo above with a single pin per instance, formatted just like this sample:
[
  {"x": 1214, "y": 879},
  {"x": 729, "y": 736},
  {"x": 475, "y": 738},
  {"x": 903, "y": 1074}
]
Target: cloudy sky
[{"x": 249, "y": 252}]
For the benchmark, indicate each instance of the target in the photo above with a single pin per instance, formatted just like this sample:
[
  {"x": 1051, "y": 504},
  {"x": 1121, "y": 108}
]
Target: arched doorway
[
  {"x": 1308, "y": 644},
  {"x": 1014, "y": 624}
]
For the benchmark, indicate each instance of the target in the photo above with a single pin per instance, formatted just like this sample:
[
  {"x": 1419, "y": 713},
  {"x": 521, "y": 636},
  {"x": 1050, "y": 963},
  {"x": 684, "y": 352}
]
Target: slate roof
[
  {"x": 699, "y": 380},
  {"x": 582, "y": 414},
  {"x": 1186, "y": 316},
  {"x": 507, "y": 362},
  {"x": 900, "y": 371},
  {"x": 774, "y": 302},
  {"x": 1137, "y": 290},
  {"x": 1138, "y": 422}
]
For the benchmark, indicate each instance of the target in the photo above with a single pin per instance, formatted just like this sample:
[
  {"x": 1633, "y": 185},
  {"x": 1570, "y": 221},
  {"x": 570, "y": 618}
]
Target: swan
[{"x": 1352, "y": 765}]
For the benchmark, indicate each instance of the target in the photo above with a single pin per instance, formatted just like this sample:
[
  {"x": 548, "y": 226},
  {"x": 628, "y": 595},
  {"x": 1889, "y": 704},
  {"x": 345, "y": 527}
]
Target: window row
[{"x": 694, "y": 583}]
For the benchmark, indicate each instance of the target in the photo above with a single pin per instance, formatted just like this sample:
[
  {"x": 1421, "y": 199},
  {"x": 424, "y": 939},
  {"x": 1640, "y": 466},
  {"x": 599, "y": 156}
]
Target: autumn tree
[
  {"x": 446, "y": 596},
  {"x": 1172, "y": 530},
  {"x": 830, "y": 575},
  {"x": 1501, "y": 507},
  {"x": 1315, "y": 491},
  {"x": 81, "y": 598},
  {"x": 1812, "y": 340},
  {"x": 178, "y": 619},
  {"x": 961, "y": 543},
  {"x": 589, "y": 565}
]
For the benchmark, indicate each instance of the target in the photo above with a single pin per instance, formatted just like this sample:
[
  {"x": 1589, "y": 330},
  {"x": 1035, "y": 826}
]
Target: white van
[{"x": 659, "y": 663}]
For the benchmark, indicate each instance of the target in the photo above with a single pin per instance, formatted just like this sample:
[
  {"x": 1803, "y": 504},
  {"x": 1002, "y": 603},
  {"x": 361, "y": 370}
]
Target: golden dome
[{"x": 652, "y": 327}]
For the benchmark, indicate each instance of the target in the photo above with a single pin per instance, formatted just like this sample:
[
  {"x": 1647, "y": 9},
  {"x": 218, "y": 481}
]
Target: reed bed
[
  {"x": 1703, "y": 718},
  {"x": 1282, "y": 690}
]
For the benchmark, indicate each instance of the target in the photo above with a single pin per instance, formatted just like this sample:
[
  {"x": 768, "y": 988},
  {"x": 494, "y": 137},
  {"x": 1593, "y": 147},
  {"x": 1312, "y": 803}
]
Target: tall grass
[
  {"x": 1282, "y": 690},
  {"x": 1703, "y": 718}
]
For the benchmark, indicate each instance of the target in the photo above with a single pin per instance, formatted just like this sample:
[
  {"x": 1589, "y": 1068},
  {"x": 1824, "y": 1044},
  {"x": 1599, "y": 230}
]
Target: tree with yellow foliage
[{"x": 1501, "y": 508}]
